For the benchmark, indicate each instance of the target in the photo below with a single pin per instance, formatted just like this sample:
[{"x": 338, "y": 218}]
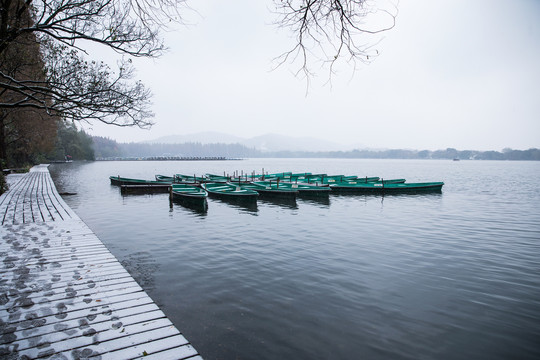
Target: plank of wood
[
  {"x": 138, "y": 347},
  {"x": 60, "y": 313},
  {"x": 60, "y": 308},
  {"x": 171, "y": 354},
  {"x": 83, "y": 334},
  {"x": 91, "y": 288},
  {"x": 69, "y": 329},
  {"x": 64, "y": 271},
  {"x": 21, "y": 302},
  {"x": 47, "y": 255}
]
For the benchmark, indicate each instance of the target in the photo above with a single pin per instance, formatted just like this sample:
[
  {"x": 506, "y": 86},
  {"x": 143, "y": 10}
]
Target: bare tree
[
  {"x": 74, "y": 88},
  {"x": 329, "y": 30},
  {"x": 23, "y": 130}
]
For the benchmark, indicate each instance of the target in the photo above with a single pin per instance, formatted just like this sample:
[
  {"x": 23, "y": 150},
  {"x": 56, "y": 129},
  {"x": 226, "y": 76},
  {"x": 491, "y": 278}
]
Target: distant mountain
[{"x": 267, "y": 142}]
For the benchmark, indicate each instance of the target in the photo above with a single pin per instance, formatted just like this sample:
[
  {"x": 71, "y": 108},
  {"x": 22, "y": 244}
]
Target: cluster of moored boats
[{"x": 278, "y": 185}]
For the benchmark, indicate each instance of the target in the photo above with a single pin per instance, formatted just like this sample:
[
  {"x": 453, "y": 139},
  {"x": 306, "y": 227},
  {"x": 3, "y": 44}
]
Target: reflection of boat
[
  {"x": 197, "y": 207},
  {"x": 320, "y": 201},
  {"x": 229, "y": 191},
  {"x": 249, "y": 204},
  {"x": 388, "y": 188},
  {"x": 286, "y": 202}
]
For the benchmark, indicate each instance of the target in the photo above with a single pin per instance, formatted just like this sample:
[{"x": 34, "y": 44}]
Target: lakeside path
[{"x": 63, "y": 295}]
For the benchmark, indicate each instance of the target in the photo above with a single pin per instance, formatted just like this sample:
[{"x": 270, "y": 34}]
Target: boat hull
[
  {"x": 144, "y": 189},
  {"x": 199, "y": 202},
  {"x": 272, "y": 191},
  {"x": 391, "y": 188},
  {"x": 282, "y": 194}
]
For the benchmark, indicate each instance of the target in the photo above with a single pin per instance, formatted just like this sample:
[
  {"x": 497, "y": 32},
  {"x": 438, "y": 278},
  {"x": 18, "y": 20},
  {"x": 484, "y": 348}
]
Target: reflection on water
[
  {"x": 452, "y": 275},
  {"x": 323, "y": 201},
  {"x": 197, "y": 207},
  {"x": 283, "y": 202},
  {"x": 246, "y": 205},
  {"x": 364, "y": 196}
]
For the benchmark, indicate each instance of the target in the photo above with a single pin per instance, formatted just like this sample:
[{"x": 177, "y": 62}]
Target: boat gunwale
[{"x": 226, "y": 190}]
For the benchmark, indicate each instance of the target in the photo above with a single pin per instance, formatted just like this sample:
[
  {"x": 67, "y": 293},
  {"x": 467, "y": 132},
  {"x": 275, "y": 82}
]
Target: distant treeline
[
  {"x": 106, "y": 148},
  {"x": 507, "y": 154}
]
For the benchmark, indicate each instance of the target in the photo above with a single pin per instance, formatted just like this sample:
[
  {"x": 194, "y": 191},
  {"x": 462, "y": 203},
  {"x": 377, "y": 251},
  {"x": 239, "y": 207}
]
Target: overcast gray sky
[{"x": 452, "y": 73}]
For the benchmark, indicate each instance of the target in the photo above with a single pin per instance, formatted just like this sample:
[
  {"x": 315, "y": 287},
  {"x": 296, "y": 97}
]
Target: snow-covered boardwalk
[{"x": 63, "y": 295}]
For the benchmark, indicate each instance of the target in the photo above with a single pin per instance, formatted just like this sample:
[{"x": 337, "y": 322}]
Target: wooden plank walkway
[{"x": 63, "y": 295}]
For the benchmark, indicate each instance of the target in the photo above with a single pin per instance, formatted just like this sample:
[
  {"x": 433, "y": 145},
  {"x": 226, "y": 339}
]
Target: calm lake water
[{"x": 454, "y": 275}]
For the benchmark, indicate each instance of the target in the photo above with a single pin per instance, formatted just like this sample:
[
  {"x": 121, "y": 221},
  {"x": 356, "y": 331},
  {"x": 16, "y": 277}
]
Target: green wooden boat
[
  {"x": 390, "y": 188},
  {"x": 271, "y": 190},
  {"x": 189, "y": 179},
  {"x": 239, "y": 180},
  {"x": 332, "y": 179},
  {"x": 302, "y": 188},
  {"x": 380, "y": 181},
  {"x": 391, "y": 181},
  {"x": 275, "y": 176},
  {"x": 164, "y": 178},
  {"x": 229, "y": 191},
  {"x": 188, "y": 192},
  {"x": 286, "y": 176},
  {"x": 189, "y": 196},
  {"x": 299, "y": 176},
  {"x": 367, "y": 179},
  {"x": 182, "y": 179},
  {"x": 217, "y": 178},
  {"x": 117, "y": 180}
]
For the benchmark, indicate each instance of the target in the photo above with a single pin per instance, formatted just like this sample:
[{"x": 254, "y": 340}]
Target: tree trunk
[{"x": 3, "y": 146}]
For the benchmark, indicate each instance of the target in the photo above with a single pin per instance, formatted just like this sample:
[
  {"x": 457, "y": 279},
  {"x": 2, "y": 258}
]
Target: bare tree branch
[{"x": 326, "y": 31}]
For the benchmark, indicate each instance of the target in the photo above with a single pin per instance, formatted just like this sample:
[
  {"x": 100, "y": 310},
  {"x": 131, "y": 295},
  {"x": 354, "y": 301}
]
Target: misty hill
[
  {"x": 207, "y": 137},
  {"x": 265, "y": 143},
  {"x": 105, "y": 148}
]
